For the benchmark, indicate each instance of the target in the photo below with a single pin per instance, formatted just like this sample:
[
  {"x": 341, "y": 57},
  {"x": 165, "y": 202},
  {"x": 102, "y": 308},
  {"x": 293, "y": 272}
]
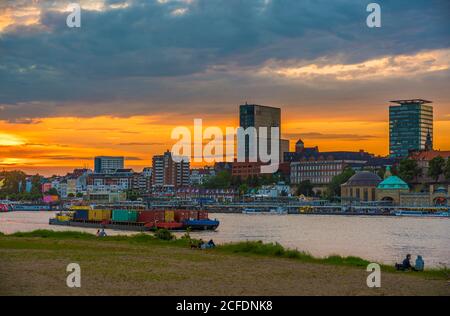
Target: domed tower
[{"x": 360, "y": 187}]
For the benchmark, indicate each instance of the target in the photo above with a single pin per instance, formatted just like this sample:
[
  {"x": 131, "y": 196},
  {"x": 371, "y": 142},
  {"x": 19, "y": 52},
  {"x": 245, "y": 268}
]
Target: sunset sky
[{"x": 138, "y": 68}]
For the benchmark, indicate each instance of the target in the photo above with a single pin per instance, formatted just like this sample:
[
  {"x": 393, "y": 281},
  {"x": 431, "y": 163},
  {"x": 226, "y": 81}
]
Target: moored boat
[
  {"x": 273, "y": 211},
  {"x": 421, "y": 214},
  {"x": 29, "y": 207},
  {"x": 251, "y": 211},
  {"x": 5, "y": 207},
  {"x": 279, "y": 211}
]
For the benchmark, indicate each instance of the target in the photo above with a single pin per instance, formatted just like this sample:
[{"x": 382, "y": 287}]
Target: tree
[
  {"x": 409, "y": 170},
  {"x": 236, "y": 181},
  {"x": 79, "y": 195},
  {"x": 132, "y": 195},
  {"x": 381, "y": 173},
  {"x": 36, "y": 185},
  {"x": 243, "y": 189},
  {"x": 52, "y": 191},
  {"x": 436, "y": 167},
  {"x": 253, "y": 181},
  {"x": 221, "y": 181},
  {"x": 334, "y": 188},
  {"x": 305, "y": 188},
  {"x": 14, "y": 182},
  {"x": 447, "y": 169}
]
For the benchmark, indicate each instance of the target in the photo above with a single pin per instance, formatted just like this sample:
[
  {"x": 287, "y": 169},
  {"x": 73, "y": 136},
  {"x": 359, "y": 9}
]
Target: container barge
[{"x": 135, "y": 220}]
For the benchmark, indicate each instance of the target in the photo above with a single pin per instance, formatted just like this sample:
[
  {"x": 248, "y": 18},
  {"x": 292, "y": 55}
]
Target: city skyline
[
  {"x": 143, "y": 157},
  {"x": 113, "y": 88}
]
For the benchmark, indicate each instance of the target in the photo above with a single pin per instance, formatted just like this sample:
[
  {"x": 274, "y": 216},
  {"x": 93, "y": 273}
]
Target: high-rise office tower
[
  {"x": 253, "y": 115},
  {"x": 410, "y": 123}
]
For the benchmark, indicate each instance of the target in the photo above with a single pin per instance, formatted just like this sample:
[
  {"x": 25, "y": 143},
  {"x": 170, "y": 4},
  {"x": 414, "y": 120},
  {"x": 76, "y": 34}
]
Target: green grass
[
  {"x": 276, "y": 250},
  {"x": 251, "y": 248},
  {"x": 42, "y": 233},
  {"x": 157, "y": 238}
]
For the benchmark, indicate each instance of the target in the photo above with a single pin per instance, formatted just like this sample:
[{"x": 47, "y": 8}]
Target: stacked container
[
  {"x": 181, "y": 216},
  {"x": 202, "y": 215},
  {"x": 151, "y": 217},
  {"x": 124, "y": 216},
  {"x": 100, "y": 215},
  {"x": 82, "y": 215},
  {"x": 169, "y": 216},
  {"x": 193, "y": 215}
]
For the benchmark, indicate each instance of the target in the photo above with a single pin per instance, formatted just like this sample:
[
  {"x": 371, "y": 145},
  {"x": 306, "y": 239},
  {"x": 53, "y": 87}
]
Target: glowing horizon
[{"x": 62, "y": 144}]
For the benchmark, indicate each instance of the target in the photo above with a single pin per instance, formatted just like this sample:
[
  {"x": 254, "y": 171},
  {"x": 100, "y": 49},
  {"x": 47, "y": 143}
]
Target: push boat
[{"x": 273, "y": 211}]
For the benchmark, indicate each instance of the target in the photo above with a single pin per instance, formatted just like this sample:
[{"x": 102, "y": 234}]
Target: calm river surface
[{"x": 382, "y": 239}]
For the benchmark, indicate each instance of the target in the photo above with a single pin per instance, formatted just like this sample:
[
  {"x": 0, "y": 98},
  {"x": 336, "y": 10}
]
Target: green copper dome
[{"x": 393, "y": 183}]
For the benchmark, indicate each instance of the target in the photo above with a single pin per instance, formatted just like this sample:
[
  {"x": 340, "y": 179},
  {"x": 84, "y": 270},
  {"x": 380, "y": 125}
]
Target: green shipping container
[{"x": 124, "y": 216}]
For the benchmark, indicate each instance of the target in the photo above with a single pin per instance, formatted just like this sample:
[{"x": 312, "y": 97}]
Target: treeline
[
  {"x": 409, "y": 170},
  {"x": 13, "y": 186}
]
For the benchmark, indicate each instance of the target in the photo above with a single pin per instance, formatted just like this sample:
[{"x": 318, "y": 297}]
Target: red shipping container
[
  {"x": 151, "y": 216},
  {"x": 181, "y": 215},
  {"x": 193, "y": 215},
  {"x": 202, "y": 215}
]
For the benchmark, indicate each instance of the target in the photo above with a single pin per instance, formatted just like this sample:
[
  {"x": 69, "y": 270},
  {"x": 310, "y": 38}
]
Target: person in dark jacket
[{"x": 406, "y": 264}]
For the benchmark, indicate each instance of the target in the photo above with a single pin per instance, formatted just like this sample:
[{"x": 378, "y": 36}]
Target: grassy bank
[
  {"x": 160, "y": 264},
  {"x": 255, "y": 248}
]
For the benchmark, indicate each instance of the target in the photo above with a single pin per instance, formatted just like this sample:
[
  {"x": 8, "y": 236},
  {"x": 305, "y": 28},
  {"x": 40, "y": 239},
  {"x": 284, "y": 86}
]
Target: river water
[{"x": 381, "y": 239}]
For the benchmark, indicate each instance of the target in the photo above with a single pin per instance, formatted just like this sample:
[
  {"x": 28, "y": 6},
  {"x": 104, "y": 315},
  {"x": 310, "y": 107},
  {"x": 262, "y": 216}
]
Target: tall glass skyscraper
[
  {"x": 410, "y": 121},
  {"x": 253, "y": 115}
]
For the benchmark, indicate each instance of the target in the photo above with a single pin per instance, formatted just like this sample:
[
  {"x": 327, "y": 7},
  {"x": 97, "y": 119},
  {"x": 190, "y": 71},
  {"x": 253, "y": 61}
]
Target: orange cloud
[
  {"x": 57, "y": 145},
  {"x": 27, "y": 15},
  {"x": 389, "y": 66}
]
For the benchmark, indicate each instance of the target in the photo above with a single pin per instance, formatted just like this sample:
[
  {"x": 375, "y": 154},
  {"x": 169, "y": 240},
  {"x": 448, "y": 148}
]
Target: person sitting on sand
[
  {"x": 420, "y": 264},
  {"x": 211, "y": 244},
  {"x": 406, "y": 264}
]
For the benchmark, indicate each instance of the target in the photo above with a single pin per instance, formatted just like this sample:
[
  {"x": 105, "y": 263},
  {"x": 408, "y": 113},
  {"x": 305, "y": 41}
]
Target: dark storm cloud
[{"x": 144, "y": 59}]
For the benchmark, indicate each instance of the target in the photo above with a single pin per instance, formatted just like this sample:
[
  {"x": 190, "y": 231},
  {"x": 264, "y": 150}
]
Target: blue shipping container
[{"x": 81, "y": 215}]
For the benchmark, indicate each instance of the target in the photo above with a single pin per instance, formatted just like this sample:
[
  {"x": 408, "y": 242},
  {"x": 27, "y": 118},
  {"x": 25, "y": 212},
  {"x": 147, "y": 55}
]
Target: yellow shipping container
[
  {"x": 63, "y": 218},
  {"x": 169, "y": 216},
  {"x": 75, "y": 208},
  {"x": 99, "y": 215}
]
